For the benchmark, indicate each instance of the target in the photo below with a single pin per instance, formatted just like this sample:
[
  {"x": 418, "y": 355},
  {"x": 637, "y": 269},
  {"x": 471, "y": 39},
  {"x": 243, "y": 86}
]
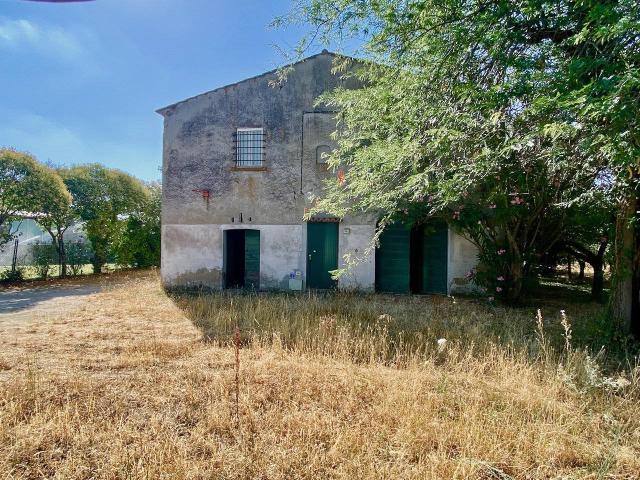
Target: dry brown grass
[{"x": 124, "y": 387}]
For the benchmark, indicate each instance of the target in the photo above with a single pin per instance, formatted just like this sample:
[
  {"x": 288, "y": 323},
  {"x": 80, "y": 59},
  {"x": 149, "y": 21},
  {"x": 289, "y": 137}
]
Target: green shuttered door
[
  {"x": 252, "y": 259},
  {"x": 422, "y": 257},
  {"x": 392, "y": 259},
  {"x": 435, "y": 258},
  {"x": 322, "y": 254}
]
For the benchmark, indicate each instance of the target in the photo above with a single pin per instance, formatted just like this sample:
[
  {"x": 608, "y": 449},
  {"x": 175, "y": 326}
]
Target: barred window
[{"x": 249, "y": 147}]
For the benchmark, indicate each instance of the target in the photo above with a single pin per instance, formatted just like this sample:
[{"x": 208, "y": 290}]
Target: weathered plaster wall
[
  {"x": 354, "y": 245},
  {"x": 463, "y": 256},
  {"x": 281, "y": 251},
  {"x": 192, "y": 255},
  {"x": 199, "y": 149}
]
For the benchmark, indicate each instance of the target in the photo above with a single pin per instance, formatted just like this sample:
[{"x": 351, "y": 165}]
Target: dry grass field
[{"x": 126, "y": 386}]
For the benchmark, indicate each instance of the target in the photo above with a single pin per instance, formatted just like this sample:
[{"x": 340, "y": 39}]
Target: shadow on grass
[{"x": 392, "y": 327}]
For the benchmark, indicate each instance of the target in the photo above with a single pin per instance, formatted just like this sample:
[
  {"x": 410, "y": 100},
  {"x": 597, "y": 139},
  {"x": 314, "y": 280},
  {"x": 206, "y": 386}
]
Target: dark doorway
[
  {"x": 234, "y": 258},
  {"x": 242, "y": 259}
]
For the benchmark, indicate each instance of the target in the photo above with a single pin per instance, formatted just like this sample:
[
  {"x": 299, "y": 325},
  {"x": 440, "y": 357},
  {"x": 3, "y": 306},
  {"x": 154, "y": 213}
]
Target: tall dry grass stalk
[{"x": 236, "y": 384}]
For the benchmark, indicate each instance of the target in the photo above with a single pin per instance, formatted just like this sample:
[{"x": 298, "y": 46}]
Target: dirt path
[{"x": 23, "y": 305}]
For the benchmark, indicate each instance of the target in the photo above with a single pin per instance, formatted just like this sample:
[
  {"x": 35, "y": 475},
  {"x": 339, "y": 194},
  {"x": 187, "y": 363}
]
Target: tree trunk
[
  {"x": 597, "y": 285},
  {"x": 97, "y": 266},
  {"x": 516, "y": 273},
  {"x": 14, "y": 257},
  {"x": 62, "y": 256},
  {"x": 625, "y": 301},
  {"x": 515, "y": 288},
  {"x": 581, "y": 263}
]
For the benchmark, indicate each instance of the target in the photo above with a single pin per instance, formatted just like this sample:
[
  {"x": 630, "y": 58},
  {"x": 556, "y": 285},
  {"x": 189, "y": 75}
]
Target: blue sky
[{"x": 81, "y": 82}]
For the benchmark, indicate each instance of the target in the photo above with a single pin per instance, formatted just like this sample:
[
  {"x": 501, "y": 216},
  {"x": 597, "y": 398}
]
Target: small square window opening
[{"x": 249, "y": 147}]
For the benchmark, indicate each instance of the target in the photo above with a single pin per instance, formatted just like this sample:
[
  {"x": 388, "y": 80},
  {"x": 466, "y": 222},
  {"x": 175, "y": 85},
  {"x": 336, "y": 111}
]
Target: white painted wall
[
  {"x": 281, "y": 252},
  {"x": 463, "y": 256},
  {"x": 353, "y": 245},
  {"x": 191, "y": 255}
]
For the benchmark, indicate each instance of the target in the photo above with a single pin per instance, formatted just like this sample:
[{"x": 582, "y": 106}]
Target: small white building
[{"x": 239, "y": 165}]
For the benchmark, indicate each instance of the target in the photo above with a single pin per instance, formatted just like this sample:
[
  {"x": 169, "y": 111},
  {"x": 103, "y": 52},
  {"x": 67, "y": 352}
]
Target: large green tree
[
  {"x": 28, "y": 189},
  {"x": 56, "y": 218},
  {"x": 56, "y": 215},
  {"x": 103, "y": 199},
  {"x": 511, "y": 110}
]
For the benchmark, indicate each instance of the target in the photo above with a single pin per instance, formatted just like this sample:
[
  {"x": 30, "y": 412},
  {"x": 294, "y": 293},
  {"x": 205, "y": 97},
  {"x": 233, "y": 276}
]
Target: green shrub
[
  {"x": 78, "y": 255},
  {"x": 43, "y": 257},
  {"x": 12, "y": 276}
]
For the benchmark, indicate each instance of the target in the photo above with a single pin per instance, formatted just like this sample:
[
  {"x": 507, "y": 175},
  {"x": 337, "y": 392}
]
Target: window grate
[{"x": 249, "y": 147}]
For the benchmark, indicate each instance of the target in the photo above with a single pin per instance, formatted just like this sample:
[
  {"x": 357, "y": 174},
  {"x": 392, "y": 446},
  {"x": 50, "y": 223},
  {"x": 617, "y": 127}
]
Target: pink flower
[
  {"x": 502, "y": 251},
  {"x": 500, "y": 278},
  {"x": 498, "y": 289},
  {"x": 493, "y": 205}
]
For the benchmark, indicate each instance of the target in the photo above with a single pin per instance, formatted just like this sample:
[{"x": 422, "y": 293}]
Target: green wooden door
[
  {"x": 322, "y": 254},
  {"x": 392, "y": 259},
  {"x": 435, "y": 258},
  {"x": 252, "y": 259}
]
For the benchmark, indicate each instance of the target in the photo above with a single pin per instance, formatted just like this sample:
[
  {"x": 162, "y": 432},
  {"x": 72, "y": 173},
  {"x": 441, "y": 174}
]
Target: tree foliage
[
  {"x": 500, "y": 116},
  {"x": 103, "y": 199},
  {"x": 56, "y": 216},
  {"x": 139, "y": 245},
  {"x": 27, "y": 189}
]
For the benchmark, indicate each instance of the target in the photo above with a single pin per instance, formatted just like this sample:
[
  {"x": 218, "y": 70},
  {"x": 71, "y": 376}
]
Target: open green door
[
  {"x": 252, "y": 259},
  {"x": 393, "y": 259},
  {"x": 322, "y": 254},
  {"x": 435, "y": 257}
]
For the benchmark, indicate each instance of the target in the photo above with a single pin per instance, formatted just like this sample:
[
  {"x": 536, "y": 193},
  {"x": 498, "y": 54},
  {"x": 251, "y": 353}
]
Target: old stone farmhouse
[{"x": 239, "y": 164}]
